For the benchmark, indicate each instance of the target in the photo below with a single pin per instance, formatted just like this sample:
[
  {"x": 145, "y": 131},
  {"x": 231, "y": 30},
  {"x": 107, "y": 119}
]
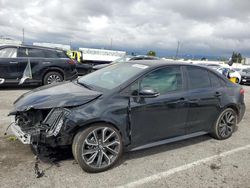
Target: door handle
[
  {"x": 217, "y": 94},
  {"x": 182, "y": 100},
  {"x": 13, "y": 62},
  {"x": 196, "y": 100}
]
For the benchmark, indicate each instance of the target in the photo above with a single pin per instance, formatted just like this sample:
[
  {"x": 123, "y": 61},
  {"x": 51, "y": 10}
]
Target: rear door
[
  {"x": 9, "y": 63},
  {"x": 29, "y": 55},
  {"x": 204, "y": 98}
]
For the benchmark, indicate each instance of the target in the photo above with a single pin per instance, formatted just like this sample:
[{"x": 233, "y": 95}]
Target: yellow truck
[{"x": 75, "y": 55}]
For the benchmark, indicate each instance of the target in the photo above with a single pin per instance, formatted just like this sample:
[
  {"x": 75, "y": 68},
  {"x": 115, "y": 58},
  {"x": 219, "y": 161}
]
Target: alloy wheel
[
  {"x": 53, "y": 78},
  {"x": 101, "y": 147},
  {"x": 226, "y": 124}
]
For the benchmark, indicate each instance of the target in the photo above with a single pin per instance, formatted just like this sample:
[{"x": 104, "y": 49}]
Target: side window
[
  {"x": 8, "y": 53},
  {"x": 30, "y": 52},
  {"x": 62, "y": 54},
  {"x": 33, "y": 52},
  {"x": 198, "y": 78},
  {"x": 215, "y": 80},
  {"x": 54, "y": 54},
  {"x": 23, "y": 52},
  {"x": 50, "y": 54},
  {"x": 163, "y": 80}
]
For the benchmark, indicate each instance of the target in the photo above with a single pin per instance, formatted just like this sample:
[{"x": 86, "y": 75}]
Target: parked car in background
[
  {"x": 26, "y": 64},
  {"x": 128, "y": 106},
  {"x": 245, "y": 75},
  {"x": 124, "y": 59},
  {"x": 119, "y": 60},
  {"x": 230, "y": 73},
  {"x": 210, "y": 65}
]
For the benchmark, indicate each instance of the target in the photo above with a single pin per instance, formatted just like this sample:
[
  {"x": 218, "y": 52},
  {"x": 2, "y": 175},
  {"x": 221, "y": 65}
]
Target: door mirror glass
[{"x": 148, "y": 92}]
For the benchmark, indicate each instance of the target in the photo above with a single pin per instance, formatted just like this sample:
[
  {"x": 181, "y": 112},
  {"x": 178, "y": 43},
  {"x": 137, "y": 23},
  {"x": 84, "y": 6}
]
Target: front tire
[
  {"x": 97, "y": 148},
  {"x": 225, "y": 124}
]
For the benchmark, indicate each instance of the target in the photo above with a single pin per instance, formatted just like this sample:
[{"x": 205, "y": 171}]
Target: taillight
[
  {"x": 242, "y": 91},
  {"x": 72, "y": 62}
]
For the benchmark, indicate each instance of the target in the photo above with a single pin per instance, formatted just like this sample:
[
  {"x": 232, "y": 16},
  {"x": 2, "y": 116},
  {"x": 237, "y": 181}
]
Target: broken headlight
[{"x": 55, "y": 120}]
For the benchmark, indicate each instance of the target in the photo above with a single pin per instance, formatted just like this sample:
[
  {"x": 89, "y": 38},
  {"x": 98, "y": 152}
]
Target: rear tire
[
  {"x": 225, "y": 124},
  {"x": 52, "y": 77},
  {"x": 97, "y": 148}
]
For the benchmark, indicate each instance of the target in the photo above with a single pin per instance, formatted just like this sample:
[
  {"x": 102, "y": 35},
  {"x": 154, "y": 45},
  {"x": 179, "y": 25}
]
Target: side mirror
[{"x": 148, "y": 93}]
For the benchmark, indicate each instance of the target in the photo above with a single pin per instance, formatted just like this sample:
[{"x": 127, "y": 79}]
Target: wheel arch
[
  {"x": 53, "y": 69},
  {"x": 234, "y": 107},
  {"x": 84, "y": 126}
]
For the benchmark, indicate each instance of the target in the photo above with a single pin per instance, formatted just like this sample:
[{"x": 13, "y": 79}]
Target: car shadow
[
  {"x": 57, "y": 155},
  {"x": 29, "y": 87},
  {"x": 165, "y": 147}
]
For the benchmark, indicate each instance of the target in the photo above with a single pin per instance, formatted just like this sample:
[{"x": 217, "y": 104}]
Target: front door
[{"x": 162, "y": 117}]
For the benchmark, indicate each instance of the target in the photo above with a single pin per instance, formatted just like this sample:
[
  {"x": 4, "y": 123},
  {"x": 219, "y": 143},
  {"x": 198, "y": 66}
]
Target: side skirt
[{"x": 169, "y": 140}]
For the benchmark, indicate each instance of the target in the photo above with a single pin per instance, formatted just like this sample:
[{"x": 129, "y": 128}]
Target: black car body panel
[
  {"x": 44, "y": 60},
  {"x": 83, "y": 68},
  {"x": 140, "y": 120},
  {"x": 66, "y": 94}
]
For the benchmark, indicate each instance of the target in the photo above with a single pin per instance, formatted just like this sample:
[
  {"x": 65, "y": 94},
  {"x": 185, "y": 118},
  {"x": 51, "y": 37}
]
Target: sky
[{"x": 202, "y": 27}]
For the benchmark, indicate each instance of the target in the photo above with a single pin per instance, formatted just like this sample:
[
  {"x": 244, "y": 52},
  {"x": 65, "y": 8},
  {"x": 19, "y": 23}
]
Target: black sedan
[{"x": 128, "y": 106}]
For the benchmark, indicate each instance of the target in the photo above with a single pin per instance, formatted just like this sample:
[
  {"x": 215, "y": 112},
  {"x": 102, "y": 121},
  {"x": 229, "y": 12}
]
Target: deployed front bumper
[{"x": 53, "y": 131}]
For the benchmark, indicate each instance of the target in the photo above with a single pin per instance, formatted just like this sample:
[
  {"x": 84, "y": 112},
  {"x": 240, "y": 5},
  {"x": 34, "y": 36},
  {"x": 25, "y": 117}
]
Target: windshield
[
  {"x": 112, "y": 76},
  {"x": 247, "y": 71}
]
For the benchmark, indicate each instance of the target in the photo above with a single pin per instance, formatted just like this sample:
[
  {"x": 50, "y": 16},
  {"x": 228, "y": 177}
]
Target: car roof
[
  {"x": 29, "y": 46},
  {"x": 158, "y": 63},
  {"x": 144, "y": 57}
]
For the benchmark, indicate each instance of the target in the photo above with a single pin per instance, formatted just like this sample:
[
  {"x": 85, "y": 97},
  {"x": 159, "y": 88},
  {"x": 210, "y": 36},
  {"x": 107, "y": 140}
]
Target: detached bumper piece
[{"x": 23, "y": 137}]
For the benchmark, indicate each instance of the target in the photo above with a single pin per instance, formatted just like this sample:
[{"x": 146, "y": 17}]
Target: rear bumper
[
  {"x": 242, "y": 109},
  {"x": 71, "y": 77}
]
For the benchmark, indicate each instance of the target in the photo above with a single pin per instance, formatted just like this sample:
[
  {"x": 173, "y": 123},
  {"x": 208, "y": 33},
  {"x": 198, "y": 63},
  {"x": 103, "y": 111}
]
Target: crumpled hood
[{"x": 65, "y": 94}]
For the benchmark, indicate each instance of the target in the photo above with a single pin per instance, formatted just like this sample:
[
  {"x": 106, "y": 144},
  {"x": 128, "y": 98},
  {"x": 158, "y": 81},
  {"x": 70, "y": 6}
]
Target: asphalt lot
[{"x": 197, "y": 162}]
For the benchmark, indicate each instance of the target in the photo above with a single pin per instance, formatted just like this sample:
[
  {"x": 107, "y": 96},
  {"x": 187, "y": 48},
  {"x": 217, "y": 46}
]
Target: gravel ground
[{"x": 182, "y": 164}]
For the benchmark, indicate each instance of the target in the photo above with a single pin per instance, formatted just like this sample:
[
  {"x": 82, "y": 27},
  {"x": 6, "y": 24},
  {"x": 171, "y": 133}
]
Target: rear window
[
  {"x": 198, "y": 78},
  {"x": 30, "y": 52}
]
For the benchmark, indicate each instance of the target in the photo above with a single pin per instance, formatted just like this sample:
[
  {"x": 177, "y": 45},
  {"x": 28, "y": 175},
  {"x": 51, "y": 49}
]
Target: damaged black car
[{"x": 126, "y": 107}]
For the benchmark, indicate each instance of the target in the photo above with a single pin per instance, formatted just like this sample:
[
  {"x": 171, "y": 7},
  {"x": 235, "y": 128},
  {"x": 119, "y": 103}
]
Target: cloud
[{"x": 203, "y": 27}]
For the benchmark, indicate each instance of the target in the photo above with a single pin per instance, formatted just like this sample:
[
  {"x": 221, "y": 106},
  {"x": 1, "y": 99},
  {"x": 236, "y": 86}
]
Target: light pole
[{"x": 23, "y": 35}]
